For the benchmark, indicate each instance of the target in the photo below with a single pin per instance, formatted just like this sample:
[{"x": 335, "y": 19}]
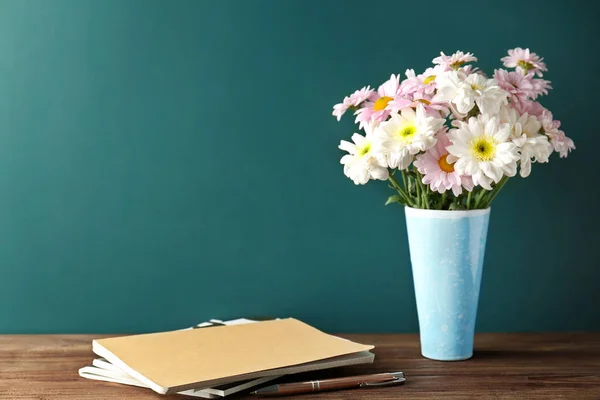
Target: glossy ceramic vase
[{"x": 446, "y": 253}]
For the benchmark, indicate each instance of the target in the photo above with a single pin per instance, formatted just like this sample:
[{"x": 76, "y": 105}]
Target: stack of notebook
[{"x": 217, "y": 361}]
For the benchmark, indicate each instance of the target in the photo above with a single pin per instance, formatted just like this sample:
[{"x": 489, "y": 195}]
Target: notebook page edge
[
  {"x": 87, "y": 373},
  {"x": 106, "y": 372},
  {"x": 101, "y": 368},
  {"x": 116, "y": 361},
  {"x": 103, "y": 364},
  {"x": 238, "y": 388},
  {"x": 133, "y": 382}
]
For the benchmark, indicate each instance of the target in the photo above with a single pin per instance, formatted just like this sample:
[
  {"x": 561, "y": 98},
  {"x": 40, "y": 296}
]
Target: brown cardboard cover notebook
[{"x": 174, "y": 361}]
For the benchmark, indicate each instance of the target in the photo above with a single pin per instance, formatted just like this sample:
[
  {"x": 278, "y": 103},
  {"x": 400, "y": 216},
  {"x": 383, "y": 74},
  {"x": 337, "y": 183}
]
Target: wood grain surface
[{"x": 505, "y": 366}]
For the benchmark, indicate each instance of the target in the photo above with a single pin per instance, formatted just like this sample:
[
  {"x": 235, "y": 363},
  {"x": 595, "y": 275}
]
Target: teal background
[{"x": 165, "y": 162}]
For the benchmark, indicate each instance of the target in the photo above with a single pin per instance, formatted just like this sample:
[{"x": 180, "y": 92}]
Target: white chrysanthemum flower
[
  {"x": 406, "y": 134},
  {"x": 364, "y": 161},
  {"x": 464, "y": 91},
  {"x": 525, "y": 133},
  {"x": 481, "y": 148}
]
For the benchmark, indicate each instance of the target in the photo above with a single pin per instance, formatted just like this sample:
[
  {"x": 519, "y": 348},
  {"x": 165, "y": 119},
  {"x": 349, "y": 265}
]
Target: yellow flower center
[
  {"x": 364, "y": 149},
  {"x": 429, "y": 79},
  {"x": 483, "y": 148},
  {"x": 407, "y": 132},
  {"x": 445, "y": 165},
  {"x": 525, "y": 65},
  {"x": 476, "y": 87},
  {"x": 424, "y": 101},
  {"x": 382, "y": 103}
]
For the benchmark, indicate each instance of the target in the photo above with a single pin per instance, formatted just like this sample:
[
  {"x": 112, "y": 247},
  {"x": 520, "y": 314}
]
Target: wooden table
[{"x": 505, "y": 366}]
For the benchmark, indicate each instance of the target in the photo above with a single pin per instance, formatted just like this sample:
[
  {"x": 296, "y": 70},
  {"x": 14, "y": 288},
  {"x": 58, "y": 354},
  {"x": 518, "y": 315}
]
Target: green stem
[
  {"x": 418, "y": 190},
  {"x": 496, "y": 190},
  {"x": 469, "y": 200},
  {"x": 404, "y": 182},
  {"x": 422, "y": 189},
  {"x": 398, "y": 188},
  {"x": 394, "y": 181},
  {"x": 480, "y": 197},
  {"x": 410, "y": 182},
  {"x": 442, "y": 201}
]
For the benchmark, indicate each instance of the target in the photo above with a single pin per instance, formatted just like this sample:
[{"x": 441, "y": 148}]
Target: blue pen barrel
[{"x": 447, "y": 250}]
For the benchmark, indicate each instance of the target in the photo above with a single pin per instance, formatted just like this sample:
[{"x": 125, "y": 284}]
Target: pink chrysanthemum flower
[
  {"x": 376, "y": 110},
  {"x": 560, "y": 142},
  {"x": 529, "y": 107},
  {"x": 549, "y": 125},
  {"x": 418, "y": 90},
  {"x": 540, "y": 87},
  {"x": 432, "y": 108},
  {"x": 400, "y": 102},
  {"x": 521, "y": 87},
  {"x": 354, "y": 100},
  {"x": 518, "y": 85},
  {"x": 454, "y": 61},
  {"x": 469, "y": 69},
  {"x": 423, "y": 83},
  {"x": 524, "y": 61},
  {"x": 437, "y": 172}
]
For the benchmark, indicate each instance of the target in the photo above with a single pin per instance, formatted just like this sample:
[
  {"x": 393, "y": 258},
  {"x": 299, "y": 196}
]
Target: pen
[{"x": 350, "y": 382}]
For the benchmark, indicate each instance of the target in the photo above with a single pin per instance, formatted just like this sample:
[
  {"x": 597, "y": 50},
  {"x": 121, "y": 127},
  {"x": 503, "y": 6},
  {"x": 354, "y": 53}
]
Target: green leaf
[
  {"x": 455, "y": 206},
  {"x": 394, "y": 199}
]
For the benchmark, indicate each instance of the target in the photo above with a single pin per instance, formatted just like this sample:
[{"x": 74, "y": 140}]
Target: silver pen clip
[{"x": 398, "y": 377}]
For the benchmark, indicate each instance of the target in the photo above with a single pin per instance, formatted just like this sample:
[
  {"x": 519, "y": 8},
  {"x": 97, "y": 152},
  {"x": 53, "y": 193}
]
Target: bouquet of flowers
[{"x": 450, "y": 138}]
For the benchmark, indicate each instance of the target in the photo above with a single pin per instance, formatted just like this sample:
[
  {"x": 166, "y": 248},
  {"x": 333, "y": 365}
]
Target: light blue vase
[{"x": 446, "y": 252}]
